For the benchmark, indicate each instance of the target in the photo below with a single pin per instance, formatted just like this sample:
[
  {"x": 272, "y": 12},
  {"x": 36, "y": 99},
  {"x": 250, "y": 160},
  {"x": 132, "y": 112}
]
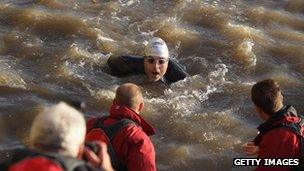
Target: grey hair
[{"x": 58, "y": 127}]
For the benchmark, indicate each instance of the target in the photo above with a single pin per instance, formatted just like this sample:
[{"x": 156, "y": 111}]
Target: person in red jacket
[
  {"x": 279, "y": 136},
  {"x": 56, "y": 143},
  {"x": 131, "y": 143}
]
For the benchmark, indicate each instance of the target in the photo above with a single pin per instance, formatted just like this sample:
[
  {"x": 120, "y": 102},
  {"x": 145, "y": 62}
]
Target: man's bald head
[{"x": 129, "y": 95}]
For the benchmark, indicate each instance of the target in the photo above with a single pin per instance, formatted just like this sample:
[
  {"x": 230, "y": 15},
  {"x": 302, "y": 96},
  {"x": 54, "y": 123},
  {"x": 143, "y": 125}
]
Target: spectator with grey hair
[{"x": 57, "y": 143}]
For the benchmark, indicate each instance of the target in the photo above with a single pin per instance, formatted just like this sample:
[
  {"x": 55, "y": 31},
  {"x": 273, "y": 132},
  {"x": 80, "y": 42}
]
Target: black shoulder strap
[
  {"x": 16, "y": 156},
  {"x": 66, "y": 162},
  {"x": 297, "y": 128},
  {"x": 111, "y": 131}
]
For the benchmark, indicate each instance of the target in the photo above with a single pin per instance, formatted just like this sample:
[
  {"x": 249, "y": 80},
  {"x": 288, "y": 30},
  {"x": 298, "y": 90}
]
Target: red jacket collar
[{"x": 120, "y": 112}]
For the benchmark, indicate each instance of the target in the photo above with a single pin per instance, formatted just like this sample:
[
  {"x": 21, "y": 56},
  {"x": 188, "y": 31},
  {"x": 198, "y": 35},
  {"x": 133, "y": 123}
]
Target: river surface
[{"x": 52, "y": 50}]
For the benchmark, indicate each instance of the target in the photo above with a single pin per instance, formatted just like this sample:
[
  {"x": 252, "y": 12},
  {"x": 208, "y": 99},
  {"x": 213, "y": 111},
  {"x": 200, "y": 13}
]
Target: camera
[{"x": 93, "y": 147}]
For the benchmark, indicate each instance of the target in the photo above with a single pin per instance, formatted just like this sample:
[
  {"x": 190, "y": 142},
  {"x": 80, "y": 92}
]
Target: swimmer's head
[
  {"x": 156, "y": 59},
  {"x": 157, "y": 47}
]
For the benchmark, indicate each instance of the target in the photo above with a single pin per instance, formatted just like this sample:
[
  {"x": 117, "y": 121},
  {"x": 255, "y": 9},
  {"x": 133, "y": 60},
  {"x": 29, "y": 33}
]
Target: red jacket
[
  {"x": 132, "y": 145},
  {"x": 279, "y": 142},
  {"x": 39, "y": 163},
  {"x": 31, "y": 160}
]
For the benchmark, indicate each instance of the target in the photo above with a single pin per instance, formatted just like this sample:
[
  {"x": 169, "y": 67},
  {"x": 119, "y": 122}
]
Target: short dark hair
[
  {"x": 128, "y": 94},
  {"x": 266, "y": 95}
]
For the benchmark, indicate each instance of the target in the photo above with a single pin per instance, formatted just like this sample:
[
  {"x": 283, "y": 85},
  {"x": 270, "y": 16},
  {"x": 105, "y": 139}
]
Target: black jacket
[{"x": 132, "y": 65}]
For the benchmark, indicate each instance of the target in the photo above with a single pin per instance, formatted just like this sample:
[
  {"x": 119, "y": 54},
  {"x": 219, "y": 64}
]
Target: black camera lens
[{"x": 93, "y": 147}]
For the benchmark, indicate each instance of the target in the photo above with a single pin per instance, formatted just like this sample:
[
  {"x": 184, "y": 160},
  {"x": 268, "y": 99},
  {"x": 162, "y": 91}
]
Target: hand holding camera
[{"x": 96, "y": 153}]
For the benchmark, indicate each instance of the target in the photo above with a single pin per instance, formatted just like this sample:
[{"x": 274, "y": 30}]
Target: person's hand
[
  {"x": 250, "y": 149},
  {"x": 102, "y": 159}
]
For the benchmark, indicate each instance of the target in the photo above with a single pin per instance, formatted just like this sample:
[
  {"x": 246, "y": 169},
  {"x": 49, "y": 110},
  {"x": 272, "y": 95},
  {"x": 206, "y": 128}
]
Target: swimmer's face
[{"x": 155, "y": 67}]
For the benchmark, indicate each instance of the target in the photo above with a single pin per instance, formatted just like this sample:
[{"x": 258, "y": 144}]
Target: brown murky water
[{"x": 52, "y": 50}]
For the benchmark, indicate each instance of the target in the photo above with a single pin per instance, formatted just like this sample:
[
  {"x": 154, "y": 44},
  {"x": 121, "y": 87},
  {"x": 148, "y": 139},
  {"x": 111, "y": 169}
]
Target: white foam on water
[
  {"x": 200, "y": 118},
  {"x": 208, "y": 136},
  {"x": 128, "y": 3},
  {"x": 188, "y": 94},
  {"x": 85, "y": 56},
  {"x": 155, "y": 100},
  {"x": 101, "y": 38},
  {"x": 245, "y": 48},
  {"x": 105, "y": 94},
  {"x": 219, "y": 74},
  {"x": 9, "y": 76}
]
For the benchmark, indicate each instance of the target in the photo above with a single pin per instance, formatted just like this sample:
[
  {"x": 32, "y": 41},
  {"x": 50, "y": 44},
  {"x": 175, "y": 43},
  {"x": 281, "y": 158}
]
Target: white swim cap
[{"x": 157, "y": 47}]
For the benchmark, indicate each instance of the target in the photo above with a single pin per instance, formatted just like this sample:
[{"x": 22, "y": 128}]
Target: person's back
[{"x": 131, "y": 143}]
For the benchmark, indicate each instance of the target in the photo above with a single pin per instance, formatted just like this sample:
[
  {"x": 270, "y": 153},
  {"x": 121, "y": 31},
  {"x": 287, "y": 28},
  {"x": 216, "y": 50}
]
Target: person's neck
[
  {"x": 280, "y": 107},
  {"x": 134, "y": 110},
  {"x": 267, "y": 116}
]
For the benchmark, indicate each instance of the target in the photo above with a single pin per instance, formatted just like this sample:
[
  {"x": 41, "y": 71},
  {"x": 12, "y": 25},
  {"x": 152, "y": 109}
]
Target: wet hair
[
  {"x": 266, "y": 95},
  {"x": 129, "y": 95},
  {"x": 59, "y": 128}
]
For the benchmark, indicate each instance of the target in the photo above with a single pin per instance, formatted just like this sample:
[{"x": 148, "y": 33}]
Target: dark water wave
[{"x": 52, "y": 50}]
